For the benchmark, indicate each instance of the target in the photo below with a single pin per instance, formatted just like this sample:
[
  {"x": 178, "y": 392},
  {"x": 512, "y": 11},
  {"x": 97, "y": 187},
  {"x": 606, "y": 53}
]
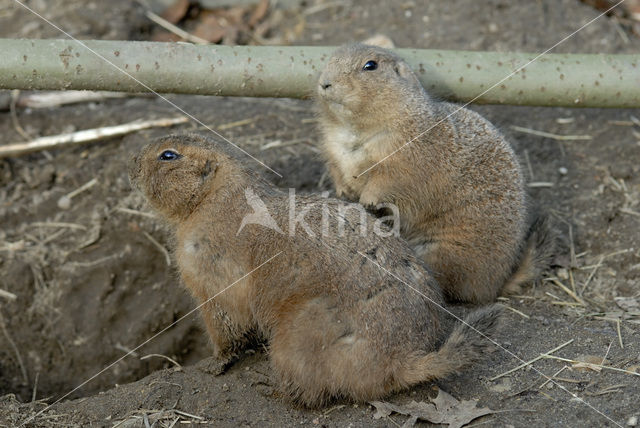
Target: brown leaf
[
  {"x": 444, "y": 409},
  {"x": 176, "y": 11}
]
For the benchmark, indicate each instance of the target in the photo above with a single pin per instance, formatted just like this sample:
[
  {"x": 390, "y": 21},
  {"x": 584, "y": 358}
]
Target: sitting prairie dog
[
  {"x": 337, "y": 324},
  {"x": 454, "y": 178}
]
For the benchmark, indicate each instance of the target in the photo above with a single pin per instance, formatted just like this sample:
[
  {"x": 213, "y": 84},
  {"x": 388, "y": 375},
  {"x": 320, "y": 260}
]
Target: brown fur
[
  {"x": 337, "y": 324},
  {"x": 458, "y": 186}
]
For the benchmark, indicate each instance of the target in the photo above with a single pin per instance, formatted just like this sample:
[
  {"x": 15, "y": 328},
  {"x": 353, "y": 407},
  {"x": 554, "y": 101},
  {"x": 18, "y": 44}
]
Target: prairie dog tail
[
  {"x": 467, "y": 344},
  {"x": 536, "y": 256}
]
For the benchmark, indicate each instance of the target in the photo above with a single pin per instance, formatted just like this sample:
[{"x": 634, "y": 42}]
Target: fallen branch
[
  {"x": 85, "y": 136},
  {"x": 55, "y": 99},
  {"x": 58, "y": 98},
  {"x": 574, "y": 80}
]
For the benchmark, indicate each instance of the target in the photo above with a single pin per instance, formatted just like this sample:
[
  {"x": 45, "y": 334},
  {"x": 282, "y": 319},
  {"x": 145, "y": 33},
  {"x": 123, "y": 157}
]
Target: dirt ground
[{"x": 91, "y": 283}]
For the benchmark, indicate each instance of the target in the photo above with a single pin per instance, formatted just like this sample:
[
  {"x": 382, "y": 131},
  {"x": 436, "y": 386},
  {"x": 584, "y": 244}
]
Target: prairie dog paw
[{"x": 369, "y": 199}]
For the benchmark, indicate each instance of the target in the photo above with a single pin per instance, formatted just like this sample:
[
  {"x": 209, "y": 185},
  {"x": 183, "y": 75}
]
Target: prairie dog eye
[
  {"x": 370, "y": 65},
  {"x": 169, "y": 155}
]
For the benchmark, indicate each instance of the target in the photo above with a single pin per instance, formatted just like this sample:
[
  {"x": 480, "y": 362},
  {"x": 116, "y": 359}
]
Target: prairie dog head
[
  {"x": 363, "y": 85},
  {"x": 176, "y": 172}
]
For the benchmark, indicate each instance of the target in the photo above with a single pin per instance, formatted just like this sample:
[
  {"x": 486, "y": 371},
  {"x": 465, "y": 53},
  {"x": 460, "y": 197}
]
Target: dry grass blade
[
  {"x": 162, "y": 356},
  {"x": 550, "y": 135},
  {"x": 527, "y": 363},
  {"x": 23, "y": 369},
  {"x": 540, "y": 184},
  {"x": 7, "y": 295},
  {"x": 564, "y": 288},
  {"x": 598, "y": 366},
  {"x": 57, "y": 225},
  {"x": 553, "y": 377},
  {"x": 14, "y": 116},
  {"x": 159, "y": 246},
  {"x": 237, "y": 123},
  {"x": 630, "y": 212},
  {"x": 136, "y": 212},
  {"x": 174, "y": 29},
  {"x": 188, "y": 415},
  {"x": 516, "y": 311},
  {"x": 591, "y": 274}
]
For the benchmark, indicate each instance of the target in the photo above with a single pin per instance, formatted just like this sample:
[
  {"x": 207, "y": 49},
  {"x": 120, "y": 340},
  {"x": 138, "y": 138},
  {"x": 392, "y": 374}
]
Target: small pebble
[
  {"x": 64, "y": 203},
  {"x": 563, "y": 273},
  {"x": 632, "y": 421},
  {"x": 563, "y": 171}
]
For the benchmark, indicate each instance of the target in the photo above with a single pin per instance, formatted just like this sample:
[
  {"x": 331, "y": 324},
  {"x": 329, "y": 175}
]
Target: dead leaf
[
  {"x": 444, "y": 409},
  {"x": 589, "y": 362},
  {"x": 176, "y": 11}
]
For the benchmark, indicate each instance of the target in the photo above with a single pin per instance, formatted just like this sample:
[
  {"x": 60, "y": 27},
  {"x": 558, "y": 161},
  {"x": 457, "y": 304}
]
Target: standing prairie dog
[
  {"x": 454, "y": 178},
  {"x": 338, "y": 325}
]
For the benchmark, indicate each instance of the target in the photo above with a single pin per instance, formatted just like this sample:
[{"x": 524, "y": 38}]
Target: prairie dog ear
[
  {"x": 380, "y": 40},
  {"x": 208, "y": 169}
]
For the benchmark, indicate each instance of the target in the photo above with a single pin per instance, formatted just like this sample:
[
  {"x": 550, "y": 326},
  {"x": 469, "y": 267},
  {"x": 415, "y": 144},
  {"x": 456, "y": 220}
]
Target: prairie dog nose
[{"x": 325, "y": 85}]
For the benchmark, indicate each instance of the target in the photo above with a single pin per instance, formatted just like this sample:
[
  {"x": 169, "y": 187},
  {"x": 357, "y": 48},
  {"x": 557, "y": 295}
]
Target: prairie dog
[
  {"x": 454, "y": 178},
  {"x": 337, "y": 324}
]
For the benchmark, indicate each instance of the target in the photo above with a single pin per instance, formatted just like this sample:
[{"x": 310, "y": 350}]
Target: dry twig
[{"x": 85, "y": 136}]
